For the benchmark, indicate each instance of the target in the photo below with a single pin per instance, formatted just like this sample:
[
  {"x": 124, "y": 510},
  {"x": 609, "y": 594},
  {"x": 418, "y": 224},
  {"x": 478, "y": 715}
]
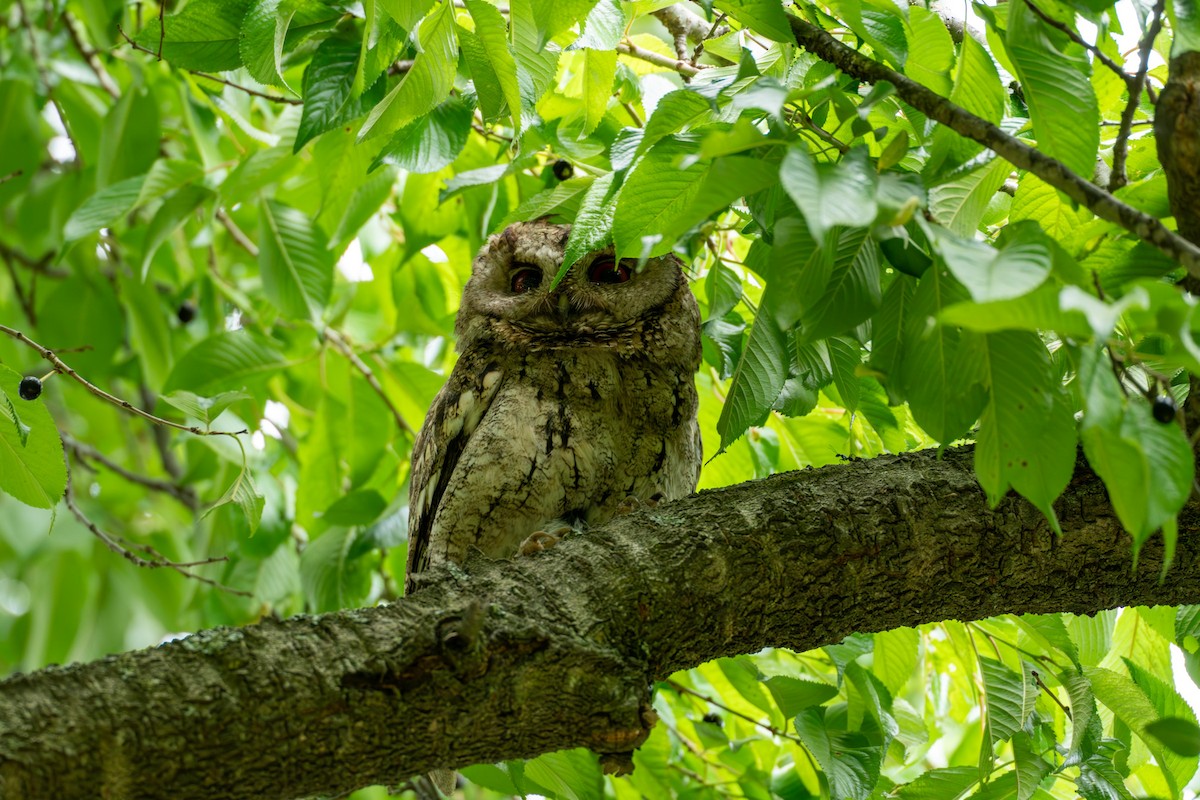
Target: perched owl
[{"x": 564, "y": 405}]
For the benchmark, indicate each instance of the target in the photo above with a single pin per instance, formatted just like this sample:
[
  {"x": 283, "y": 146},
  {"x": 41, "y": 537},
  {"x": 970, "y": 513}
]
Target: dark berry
[
  {"x": 1164, "y": 408},
  {"x": 712, "y": 718},
  {"x": 30, "y": 388},
  {"x": 186, "y": 312},
  {"x": 562, "y": 169}
]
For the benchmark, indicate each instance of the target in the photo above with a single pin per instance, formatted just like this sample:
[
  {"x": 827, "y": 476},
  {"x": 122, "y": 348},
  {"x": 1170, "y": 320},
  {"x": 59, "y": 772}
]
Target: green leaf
[
  {"x": 1147, "y": 467},
  {"x": 149, "y": 336},
  {"x": 361, "y": 507},
  {"x": 174, "y": 211},
  {"x": 930, "y": 50},
  {"x": 430, "y": 142},
  {"x": 1054, "y": 74},
  {"x": 407, "y": 13},
  {"x": 830, "y": 194},
  {"x": 129, "y": 138},
  {"x": 599, "y": 70},
  {"x": 656, "y": 191},
  {"x": 850, "y": 763},
  {"x": 1029, "y": 767},
  {"x": 1051, "y": 633},
  {"x": 570, "y": 774},
  {"x": 271, "y": 26},
  {"x": 427, "y": 83},
  {"x": 944, "y": 398},
  {"x": 978, "y": 89},
  {"x": 226, "y": 360},
  {"x": 297, "y": 268},
  {"x": 757, "y": 381},
  {"x": 243, "y": 494},
  {"x": 1026, "y": 434},
  {"x": 853, "y": 292},
  {"x": 674, "y": 113},
  {"x": 205, "y": 409},
  {"x": 328, "y": 91},
  {"x": 555, "y": 16},
  {"x": 1040, "y": 310},
  {"x": 204, "y": 36},
  {"x": 1010, "y": 699},
  {"x": 946, "y": 783},
  {"x": 995, "y": 273},
  {"x": 896, "y": 657},
  {"x": 793, "y": 695},
  {"x": 32, "y": 468},
  {"x": 604, "y": 26},
  {"x": 959, "y": 203},
  {"x": 764, "y": 16},
  {"x": 104, "y": 208},
  {"x": 593, "y": 224},
  {"x": 536, "y": 63},
  {"x": 800, "y": 271},
  {"x": 1083, "y": 716},
  {"x": 330, "y": 574},
  {"x": 492, "y": 33},
  {"x": 1181, "y": 736}
]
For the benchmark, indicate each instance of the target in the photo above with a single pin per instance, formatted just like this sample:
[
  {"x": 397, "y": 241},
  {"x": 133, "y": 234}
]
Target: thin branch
[
  {"x": 89, "y": 56},
  {"x": 824, "y": 135},
  {"x": 274, "y": 98},
  {"x": 61, "y": 367},
  {"x": 681, "y": 689},
  {"x": 86, "y": 453},
  {"x": 1016, "y": 152},
  {"x": 10, "y": 176},
  {"x": 124, "y": 549},
  {"x": 632, "y": 112},
  {"x": 682, "y": 67},
  {"x": 217, "y": 79},
  {"x": 1121, "y": 145},
  {"x": 24, "y": 300},
  {"x": 1130, "y": 81},
  {"x": 237, "y": 233},
  {"x": 711, "y": 33},
  {"x": 342, "y": 346}
]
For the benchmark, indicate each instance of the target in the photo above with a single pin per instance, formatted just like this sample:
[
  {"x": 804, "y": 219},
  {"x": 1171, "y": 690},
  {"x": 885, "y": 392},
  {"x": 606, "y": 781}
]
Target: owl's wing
[{"x": 452, "y": 419}]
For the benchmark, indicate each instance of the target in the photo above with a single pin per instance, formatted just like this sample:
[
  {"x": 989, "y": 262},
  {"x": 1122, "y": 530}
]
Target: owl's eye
[
  {"x": 607, "y": 269},
  {"x": 526, "y": 280}
]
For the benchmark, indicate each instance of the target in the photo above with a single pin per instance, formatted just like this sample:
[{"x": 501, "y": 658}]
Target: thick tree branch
[
  {"x": 964, "y": 123},
  {"x": 511, "y": 659}
]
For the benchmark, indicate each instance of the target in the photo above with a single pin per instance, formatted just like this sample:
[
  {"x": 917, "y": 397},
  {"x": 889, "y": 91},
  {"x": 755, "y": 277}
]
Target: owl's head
[{"x": 601, "y": 302}]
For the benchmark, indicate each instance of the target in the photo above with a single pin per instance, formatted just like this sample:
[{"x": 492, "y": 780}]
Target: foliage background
[{"x": 268, "y": 229}]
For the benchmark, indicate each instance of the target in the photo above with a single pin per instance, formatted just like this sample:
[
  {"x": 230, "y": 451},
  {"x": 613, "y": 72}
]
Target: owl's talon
[{"x": 538, "y": 541}]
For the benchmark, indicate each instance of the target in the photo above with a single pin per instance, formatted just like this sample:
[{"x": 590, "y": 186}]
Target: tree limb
[
  {"x": 1016, "y": 152},
  {"x": 510, "y": 659}
]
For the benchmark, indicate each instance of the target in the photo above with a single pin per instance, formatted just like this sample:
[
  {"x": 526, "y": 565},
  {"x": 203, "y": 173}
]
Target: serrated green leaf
[
  {"x": 850, "y": 763},
  {"x": 205, "y": 409},
  {"x": 757, "y": 381},
  {"x": 599, "y": 70},
  {"x": 764, "y": 16},
  {"x": 331, "y": 576},
  {"x": 830, "y": 194},
  {"x": 1010, "y": 699},
  {"x": 994, "y": 273},
  {"x": 361, "y": 507},
  {"x": 427, "y": 83},
  {"x": 793, "y": 695},
  {"x": 570, "y": 774},
  {"x": 947, "y": 783},
  {"x": 104, "y": 208},
  {"x": 204, "y": 36},
  {"x": 959, "y": 203},
  {"x": 430, "y": 142},
  {"x": 226, "y": 360},
  {"x": 32, "y": 468},
  {"x": 328, "y": 90},
  {"x": 853, "y": 292},
  {"x": 656, "y": 191},
  {"x": 1026, "y": 436},
  {"x": 296, "y": 265},
  {"x": 604, "y": 26},
  {"x": 1054, "y": 75},
  {"x": 492, "y": 33},
  {"x": 407, "y": 13},
  {"x": 242, "y": 493}
]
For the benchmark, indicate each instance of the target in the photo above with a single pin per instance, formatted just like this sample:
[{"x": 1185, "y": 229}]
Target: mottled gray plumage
[{"x": 562, "y": 404}]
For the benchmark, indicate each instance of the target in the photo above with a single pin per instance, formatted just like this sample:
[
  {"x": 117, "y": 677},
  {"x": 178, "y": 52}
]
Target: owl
[{"x": 566, "y": 404}]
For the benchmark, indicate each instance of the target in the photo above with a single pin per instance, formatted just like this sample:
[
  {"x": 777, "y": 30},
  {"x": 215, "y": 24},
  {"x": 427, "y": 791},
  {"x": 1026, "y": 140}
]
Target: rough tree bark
[{"x": 511, "y": 659}]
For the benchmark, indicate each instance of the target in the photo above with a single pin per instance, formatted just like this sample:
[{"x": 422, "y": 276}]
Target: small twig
[
  {"x": 15, "y": 174},
  {"x": 1073, "y": 35},
  {"x": 1120, "y": 146},
  {"x": 44, "y": 76},
  {"x": 89, "y": 56},
  {"x": 711, "y": 32},
  {"x": 61, "y": 367},
  {"x": 85, "y": 453},
  {"x": 274, "y": 98},
  {"x": 215, "y": 78},
  {"x": 238, "y": 235},
  {"x": 25, "y": 301},
  {"x": 822, "y": 134},
  {"x": 124, "y": 548},
  {"x": 632, "y": 112},
  {"x": 682, "y": 67},
  {"x": 336, "y": 339},
  {"x": 1105, "y": 123},
  {"x": 1038, "y": 679},
  {"x": 162, "y": 26},
  {"x": 681, "y": 689}
]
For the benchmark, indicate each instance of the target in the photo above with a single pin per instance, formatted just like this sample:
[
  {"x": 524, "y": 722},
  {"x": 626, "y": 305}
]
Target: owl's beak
[{"x": 564, "y": 306}]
